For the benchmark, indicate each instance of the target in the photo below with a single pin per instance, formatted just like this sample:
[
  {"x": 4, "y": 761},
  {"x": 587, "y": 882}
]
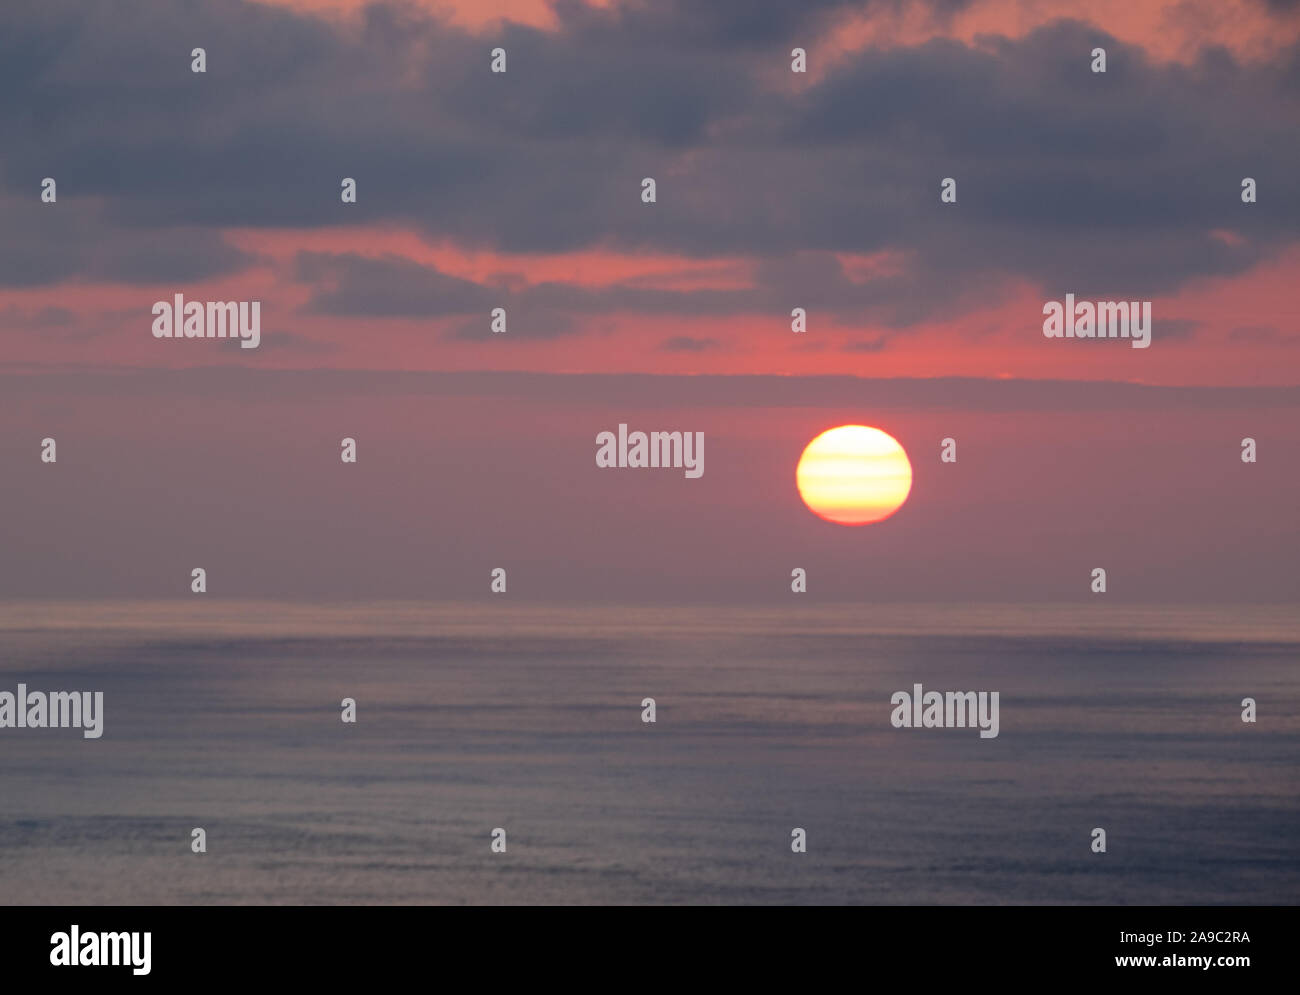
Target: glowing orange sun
[{"x": 854, "y": 475}]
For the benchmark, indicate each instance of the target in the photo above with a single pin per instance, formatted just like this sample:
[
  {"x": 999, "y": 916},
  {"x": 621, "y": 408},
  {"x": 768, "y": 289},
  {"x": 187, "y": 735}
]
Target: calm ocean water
[{"x": 225, "y": 715}]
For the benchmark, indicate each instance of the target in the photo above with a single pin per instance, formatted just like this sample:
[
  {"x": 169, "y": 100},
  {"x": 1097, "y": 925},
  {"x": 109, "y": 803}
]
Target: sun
[{"x": 854, "y": 475}]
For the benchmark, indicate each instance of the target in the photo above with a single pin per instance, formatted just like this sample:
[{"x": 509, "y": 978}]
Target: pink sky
[{"x": 776, "y": 192}]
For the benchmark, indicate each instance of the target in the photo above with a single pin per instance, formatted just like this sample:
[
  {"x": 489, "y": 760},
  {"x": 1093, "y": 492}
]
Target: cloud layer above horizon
[{"x": 522, "y": 189}]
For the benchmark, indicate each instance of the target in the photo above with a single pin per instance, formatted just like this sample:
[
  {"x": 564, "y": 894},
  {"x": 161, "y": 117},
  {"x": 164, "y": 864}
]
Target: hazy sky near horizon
[{"x": 522, "y": 190}]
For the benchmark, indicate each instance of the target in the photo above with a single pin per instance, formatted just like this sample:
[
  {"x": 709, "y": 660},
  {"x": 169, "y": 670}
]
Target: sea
[{"x": 502, "y": 714}]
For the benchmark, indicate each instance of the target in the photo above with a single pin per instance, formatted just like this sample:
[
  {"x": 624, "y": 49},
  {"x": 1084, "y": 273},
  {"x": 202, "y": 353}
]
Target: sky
[{"x": 522, "y": 190}]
